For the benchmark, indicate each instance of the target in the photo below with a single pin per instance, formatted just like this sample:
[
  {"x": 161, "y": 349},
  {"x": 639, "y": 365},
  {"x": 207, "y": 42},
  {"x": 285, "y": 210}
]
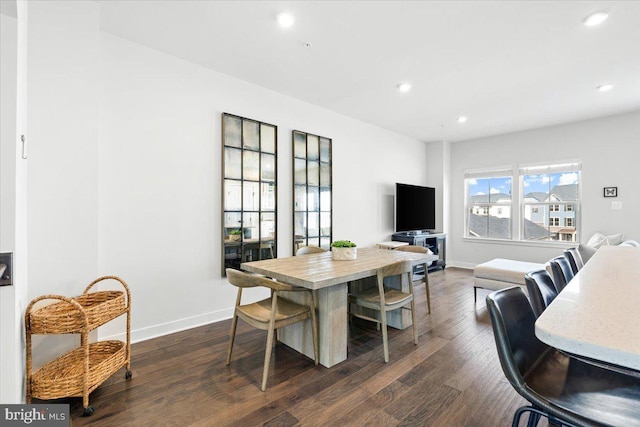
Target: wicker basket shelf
[
  {"x": 63, "y": 317},
  {"x": 64, "y": 376},
  {"x": 80, "y": 371}
]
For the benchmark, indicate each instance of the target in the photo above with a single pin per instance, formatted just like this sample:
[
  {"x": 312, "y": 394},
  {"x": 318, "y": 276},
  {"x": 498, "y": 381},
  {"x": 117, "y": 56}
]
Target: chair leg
[
  {"x": 426, "y": 284},
  {"x": 267, "y": 358},
  {"x": 385, "y": 340},
  {"x": 534, "y": 417},
  {"x": 314, "y": 329},
  {"x": 413, "y": 319},
  {"x": 232, "y": 336},
  {"x": 475, "y": 294},
  {"x": 517, "y": 415}
]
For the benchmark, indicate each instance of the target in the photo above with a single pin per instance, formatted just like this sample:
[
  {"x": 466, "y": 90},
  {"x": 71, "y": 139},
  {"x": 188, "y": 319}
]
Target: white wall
[
  {"x": 437, "y": 168},
  {"x": 63, "y": 135},
  {"x": 8, "y": 83},
  {"x": 10, "y": 356},
  {"x": 609, "y": 149},
  {"x": 160, "y": 179}
]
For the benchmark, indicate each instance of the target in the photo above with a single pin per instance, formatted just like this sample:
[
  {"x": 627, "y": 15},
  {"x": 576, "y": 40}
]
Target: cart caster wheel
[
  {"x": 87, "y": 411},
  {"x": 128, "y": 374}
]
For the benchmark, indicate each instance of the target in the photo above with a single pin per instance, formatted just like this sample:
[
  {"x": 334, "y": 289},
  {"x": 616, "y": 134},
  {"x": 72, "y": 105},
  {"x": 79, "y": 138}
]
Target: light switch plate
[
  {"x": 616, "y": 206},
  {"x": 6, "y": 259}
]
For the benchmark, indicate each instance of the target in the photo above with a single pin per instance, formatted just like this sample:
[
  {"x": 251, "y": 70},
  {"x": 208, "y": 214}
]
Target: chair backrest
[
  {"x": 245, "y": 280},
  {"x": 310, "y": 250},
  {"x": 575, "y": 259},
  {"x": 541, "y": 290},
  {"x": 399, "y": 267},
  {"x": 412, "y": 248},
  {"x": 513, "y": 323},
  {"x": 562, "y": 272}
]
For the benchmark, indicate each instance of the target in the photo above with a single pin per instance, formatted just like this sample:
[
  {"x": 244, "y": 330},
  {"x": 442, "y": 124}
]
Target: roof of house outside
[
  {"x": 500, "y": 228},
  {"x": 559, "y": 193},
  {"x": 538, "y": 195},
  {"x": 484, "y": 198},
  {"x": 565, "y": 192}
]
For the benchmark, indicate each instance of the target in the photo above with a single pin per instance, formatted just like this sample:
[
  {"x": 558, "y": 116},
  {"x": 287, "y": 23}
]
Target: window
[
  {"x": 554, "y": 191},
  {"x": 545, "y": 206},
  {"x": 488, "y": 204}
]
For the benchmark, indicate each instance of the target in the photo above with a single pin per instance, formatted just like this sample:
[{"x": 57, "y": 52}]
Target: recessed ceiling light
[
  {"x": 595, "y": 19},
  {"x": 404, "y": 87},
  {"x": 605, "y": 87},
  {"x": 286, "y": 20},
  {"x": 462, "y": 119}
]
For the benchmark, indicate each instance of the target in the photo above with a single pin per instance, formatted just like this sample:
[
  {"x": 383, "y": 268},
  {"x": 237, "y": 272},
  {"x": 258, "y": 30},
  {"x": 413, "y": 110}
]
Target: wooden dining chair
[
  {"x": 271, "y": 313},
  {"x": 383, "y": 300},
  {"x": 420, "y": 250},
  {"x": 310, "y": 250}
]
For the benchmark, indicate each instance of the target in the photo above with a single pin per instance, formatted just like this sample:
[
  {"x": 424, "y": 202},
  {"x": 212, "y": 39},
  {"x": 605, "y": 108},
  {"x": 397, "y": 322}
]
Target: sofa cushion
[
  {"x": 505, "y": 270},
  {"x": 586, "y": 252},
  {"x": 599, "y": 239}
]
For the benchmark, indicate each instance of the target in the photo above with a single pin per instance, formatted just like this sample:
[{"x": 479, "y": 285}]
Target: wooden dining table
[
  {"x": 329, "y": 279},
  {"x": 597, "y": 315}
]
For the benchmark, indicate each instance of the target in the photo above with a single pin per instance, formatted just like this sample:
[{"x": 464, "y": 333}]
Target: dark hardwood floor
[{"x": 452, "y": 378}]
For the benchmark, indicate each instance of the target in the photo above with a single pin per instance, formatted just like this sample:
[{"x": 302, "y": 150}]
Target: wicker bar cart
[{"x": 79, "y": 371}]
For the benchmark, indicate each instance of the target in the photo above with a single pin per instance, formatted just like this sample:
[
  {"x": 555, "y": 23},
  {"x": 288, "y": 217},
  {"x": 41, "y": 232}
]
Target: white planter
[{"x": 344, "y": 254}]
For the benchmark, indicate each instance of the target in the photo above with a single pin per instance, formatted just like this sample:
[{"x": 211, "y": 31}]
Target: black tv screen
[{"x": 415, "y": 208}]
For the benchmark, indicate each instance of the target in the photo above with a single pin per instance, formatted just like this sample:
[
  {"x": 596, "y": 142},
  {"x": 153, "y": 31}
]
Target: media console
[{"x": 437, "y": 242}]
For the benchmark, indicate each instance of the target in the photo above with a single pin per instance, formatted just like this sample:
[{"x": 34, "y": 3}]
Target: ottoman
[{"x": 501, "y": 273}]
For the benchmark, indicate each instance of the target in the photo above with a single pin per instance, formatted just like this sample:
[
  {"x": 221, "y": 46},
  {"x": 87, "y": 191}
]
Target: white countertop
[{"x": 598, "y": 314}]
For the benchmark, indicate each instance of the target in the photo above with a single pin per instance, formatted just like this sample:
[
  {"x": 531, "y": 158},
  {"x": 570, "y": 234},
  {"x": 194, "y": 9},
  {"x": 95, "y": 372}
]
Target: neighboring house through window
[
  {"x": 488, "y": 204},
  {"x": 545, "y": 206},
  {"x": 554, "y": 191}
]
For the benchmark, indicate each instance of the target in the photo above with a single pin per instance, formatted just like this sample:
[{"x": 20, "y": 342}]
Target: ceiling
[{"x": 506, "y": 65}]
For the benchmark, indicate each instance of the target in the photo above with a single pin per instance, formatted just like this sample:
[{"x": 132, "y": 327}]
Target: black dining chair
[
  {"x": 541, "y": 290},
  {"x": 566, "y": 390},
  {"x": 562, "y": 272},
  {"x": 575, "y": 259}
]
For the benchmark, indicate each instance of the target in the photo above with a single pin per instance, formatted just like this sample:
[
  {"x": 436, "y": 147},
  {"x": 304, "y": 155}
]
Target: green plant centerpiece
[
  {"x": 344, "y": 250},
  {"x": 235, "y": 235}
]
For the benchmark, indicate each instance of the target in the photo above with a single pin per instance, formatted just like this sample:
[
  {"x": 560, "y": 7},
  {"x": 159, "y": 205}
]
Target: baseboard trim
[
  {"x": 162, "y": 329},
  {"x": 458, "y": 264}
]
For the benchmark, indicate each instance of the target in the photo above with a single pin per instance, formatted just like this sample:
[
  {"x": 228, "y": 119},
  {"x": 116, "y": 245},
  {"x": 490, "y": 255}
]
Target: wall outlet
[{"x": 616, "y": 206}]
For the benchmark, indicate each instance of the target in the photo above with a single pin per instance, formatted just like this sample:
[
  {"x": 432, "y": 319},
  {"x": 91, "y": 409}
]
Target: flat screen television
[{"x": 415, "y": 208}]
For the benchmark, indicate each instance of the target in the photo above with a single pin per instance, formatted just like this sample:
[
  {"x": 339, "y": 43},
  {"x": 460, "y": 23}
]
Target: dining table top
[
  {"x": 597, "y": 315},
  {"x": 319, "y": 270}
]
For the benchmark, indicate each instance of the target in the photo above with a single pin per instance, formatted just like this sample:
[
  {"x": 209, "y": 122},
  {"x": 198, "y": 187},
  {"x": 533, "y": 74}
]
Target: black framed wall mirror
[
  {"x": 249, "y": 190},
  {"x": 312, "y": 190}
]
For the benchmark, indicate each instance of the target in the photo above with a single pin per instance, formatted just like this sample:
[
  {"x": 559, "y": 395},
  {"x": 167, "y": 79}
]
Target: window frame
[
  {"x": 557, "y": 208},
  {"x": 497, "y": 173},
  {"x": 518, "y": 206}
]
